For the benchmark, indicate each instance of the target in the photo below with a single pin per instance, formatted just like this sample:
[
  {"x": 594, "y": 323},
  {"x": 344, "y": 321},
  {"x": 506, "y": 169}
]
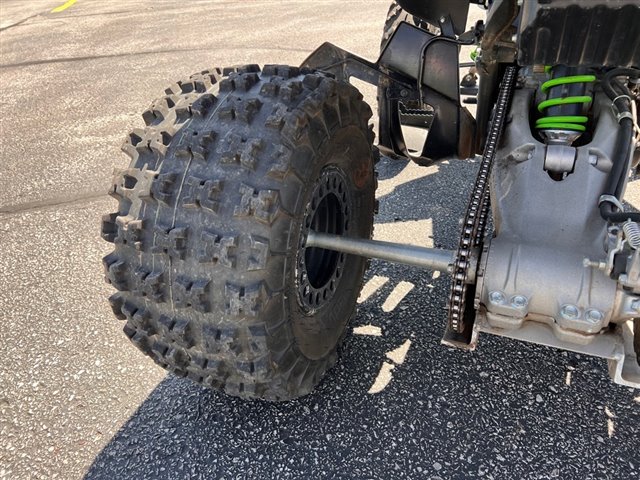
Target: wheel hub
[{"x": 319, "y": 270}]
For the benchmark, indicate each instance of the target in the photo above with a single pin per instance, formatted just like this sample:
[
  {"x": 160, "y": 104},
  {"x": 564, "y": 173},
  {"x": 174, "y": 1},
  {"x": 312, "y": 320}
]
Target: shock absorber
[{"x": 564, "y": 109}]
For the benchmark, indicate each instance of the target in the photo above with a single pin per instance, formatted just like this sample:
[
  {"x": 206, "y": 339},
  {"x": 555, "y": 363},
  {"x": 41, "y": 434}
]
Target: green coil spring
[{"x": 564, "y": 122}]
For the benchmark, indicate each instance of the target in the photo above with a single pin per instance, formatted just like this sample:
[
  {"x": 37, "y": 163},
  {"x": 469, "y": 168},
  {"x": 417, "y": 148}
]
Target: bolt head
[
  {"x": 570, "y": 312},
  {"x": 519, "y": 301},
  {"x": 497, "y": 298},
  {"x": 594, "y": 316}
]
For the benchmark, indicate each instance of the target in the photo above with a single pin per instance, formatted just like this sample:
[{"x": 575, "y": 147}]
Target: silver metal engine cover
[{"x": 533, "y": 282}]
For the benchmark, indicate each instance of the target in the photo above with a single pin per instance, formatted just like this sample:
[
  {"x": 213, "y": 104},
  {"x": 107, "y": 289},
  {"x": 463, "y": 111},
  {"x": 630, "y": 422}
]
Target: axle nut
[{"x": 570, "y": 312}]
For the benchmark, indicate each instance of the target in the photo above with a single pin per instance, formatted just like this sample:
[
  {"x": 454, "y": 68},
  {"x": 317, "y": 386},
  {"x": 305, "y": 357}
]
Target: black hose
[
  {"x": 615, "y": 180},
  {"x": 610, "y": 78},
  {"x": 622, "y": 151}
]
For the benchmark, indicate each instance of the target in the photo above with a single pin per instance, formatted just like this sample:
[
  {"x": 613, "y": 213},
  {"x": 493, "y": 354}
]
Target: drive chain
[{"x": 477, "y": 213}]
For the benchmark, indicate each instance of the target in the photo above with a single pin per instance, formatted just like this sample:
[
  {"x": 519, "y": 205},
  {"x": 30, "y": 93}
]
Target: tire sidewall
[{"x": 317, "y": 333}]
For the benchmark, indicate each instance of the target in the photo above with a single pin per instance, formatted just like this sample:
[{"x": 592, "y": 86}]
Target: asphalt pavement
[{"x": 77, "y": 400}]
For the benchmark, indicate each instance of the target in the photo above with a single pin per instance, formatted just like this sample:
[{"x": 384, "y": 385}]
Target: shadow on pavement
[{"x": 507, "y": 410}]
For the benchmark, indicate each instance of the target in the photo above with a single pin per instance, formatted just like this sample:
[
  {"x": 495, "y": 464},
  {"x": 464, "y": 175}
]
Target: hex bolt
[
  {"x": 570, "y": 312},
  {"x": 497, "y": 298},
  {"x": 519, "y": 301},
  {"x": 593, "y": 316},
  {"x": 600, "y": 265}
]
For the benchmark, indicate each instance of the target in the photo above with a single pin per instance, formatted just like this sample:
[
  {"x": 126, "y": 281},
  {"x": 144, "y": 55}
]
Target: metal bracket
[
  {"x": 446, "y": 26},
  {"x": 616, "y": 111},
  {"x": 344, "y": 65},
  {"x": 560, "y": 158},
  {"x": 611, "y": 199}
]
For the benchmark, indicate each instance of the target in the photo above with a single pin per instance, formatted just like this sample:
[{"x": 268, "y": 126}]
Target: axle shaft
[{"x": 431, "y": 258}]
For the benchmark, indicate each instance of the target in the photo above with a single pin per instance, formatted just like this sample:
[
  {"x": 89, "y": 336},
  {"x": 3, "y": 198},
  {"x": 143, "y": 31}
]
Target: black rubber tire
[{"x": 210, "y": 226}]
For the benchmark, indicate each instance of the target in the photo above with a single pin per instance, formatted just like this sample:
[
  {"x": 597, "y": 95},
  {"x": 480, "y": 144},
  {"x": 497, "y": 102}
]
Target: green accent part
[
  {"x": 562, "y": 119},
  {"x": 552, "y": 102},
  {"x": 554, "y": 82},
  {"x": 474, "y": 54},
  {"x": 563, "y": 126},
  {"x": 548, "y": 68}
]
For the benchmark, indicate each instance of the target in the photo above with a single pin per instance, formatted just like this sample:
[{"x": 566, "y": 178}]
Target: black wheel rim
[{"x": 319, "y": 270}]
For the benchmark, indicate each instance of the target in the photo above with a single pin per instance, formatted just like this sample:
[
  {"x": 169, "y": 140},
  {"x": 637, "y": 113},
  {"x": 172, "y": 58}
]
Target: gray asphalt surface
[{"x": 77, "y": 400}]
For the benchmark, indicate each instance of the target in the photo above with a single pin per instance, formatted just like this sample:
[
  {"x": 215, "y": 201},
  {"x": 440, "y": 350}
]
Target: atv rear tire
[{"x": 232, "y": 170}]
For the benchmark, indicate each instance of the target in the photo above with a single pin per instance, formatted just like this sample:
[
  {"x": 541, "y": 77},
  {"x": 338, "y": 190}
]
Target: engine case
[{"x": 533, "y": 280}]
